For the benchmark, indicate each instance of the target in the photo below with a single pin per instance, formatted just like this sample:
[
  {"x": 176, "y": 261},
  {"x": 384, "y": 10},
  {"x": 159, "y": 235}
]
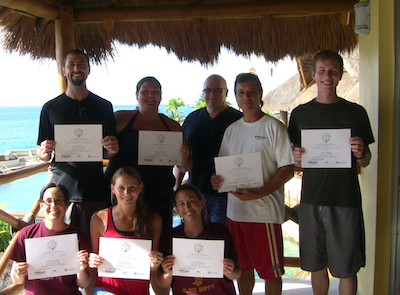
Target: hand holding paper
[
  {"x": 326, "y": 148},
  {"x": 52, "y": 256},
  {"x": 78, "y": 143},
  {"x": 198, "y": 258},
  {"x": 124, "y": 258},
  {"x": 160, "y": 148},
  {"x": 239, "y": 171}
]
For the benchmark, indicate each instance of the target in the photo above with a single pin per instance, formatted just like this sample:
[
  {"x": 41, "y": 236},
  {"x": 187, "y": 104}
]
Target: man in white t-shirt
[{"x": 255, "y": 215}]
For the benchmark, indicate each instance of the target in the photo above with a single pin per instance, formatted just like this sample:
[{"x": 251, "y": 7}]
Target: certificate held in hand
[
  {"x": 326, "y": 148},
  {"x": 125, "y": 258},
  {"x": 198, "y": 258},
  {"x": 239, "y": 171},
  {"x": 52, "y": 256},
  {"x": 160, "y": 148},
  {"x": 78, "y": 143}
]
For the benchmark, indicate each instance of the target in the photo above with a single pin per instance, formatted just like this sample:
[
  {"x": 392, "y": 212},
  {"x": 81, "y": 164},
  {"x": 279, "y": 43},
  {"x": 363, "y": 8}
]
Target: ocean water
[{"x": 19, "y": 130}]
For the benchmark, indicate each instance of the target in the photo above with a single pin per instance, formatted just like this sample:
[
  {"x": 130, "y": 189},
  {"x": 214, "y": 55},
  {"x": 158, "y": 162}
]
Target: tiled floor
[{"x": 296, "y": 287}]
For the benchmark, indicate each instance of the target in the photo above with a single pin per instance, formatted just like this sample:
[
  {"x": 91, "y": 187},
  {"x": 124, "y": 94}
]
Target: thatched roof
[
  {"x": 289, "y": 94},
  {"x": 192, "y": 29},
  {"x": 301, "y": 87}
]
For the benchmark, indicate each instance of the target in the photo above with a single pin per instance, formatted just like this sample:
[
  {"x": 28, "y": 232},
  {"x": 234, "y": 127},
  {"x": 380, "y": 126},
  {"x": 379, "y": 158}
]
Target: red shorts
[{"x": 259, "y": 246}]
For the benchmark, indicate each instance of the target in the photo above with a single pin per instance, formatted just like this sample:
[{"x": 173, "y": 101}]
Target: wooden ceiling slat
[
  {"x": 5, "y": 11},
  {"x": 33, "y": 7},
  {"x": 212, "y": 11},
  {"x": 194, "y": 32}
]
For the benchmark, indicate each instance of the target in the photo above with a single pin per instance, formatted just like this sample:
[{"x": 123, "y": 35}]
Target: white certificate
[
  {"x": 239, "y": 171},
  {"x": 53, "y": 256},
  {"x": 198, "y": 258},
  {"x": 78, "y": 143},
  {"x": 326, "y": 148},
  {"x": 125, "y": 258},
  {"x": 160, "y": 148}
]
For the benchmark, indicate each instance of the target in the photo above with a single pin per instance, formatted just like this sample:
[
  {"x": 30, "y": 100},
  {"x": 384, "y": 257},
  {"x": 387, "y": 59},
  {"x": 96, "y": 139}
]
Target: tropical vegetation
[
  {"x": 5, "y": 232},
  {"x": 172, "y": 109},
  {"x": 200, "y": 103}
]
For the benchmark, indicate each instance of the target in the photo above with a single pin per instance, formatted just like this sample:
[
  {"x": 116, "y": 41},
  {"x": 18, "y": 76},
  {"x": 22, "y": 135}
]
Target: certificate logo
[
  {"x": 326, "y": 137},
  {"x": 238, "y": 161},
  {"x": 160, "y": 138},
  {"x": 125, "y": 247},
  {"x": 78, "y": 132},
  {"x": 198, "y": 248},
  {"x": 52, "y": 245}
]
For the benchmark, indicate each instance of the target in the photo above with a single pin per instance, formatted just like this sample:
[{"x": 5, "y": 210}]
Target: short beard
[{"x": 77, "y": 82}]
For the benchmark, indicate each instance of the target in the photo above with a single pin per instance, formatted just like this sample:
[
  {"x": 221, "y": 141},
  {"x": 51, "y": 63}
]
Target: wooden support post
[
  {"x": 65, "y": 41},
  {"x": 283, "y": 117},
  {"x": 11, "y": 220},
  {"x": 345, "y": 18},
  {"x": 303, "y": 76}
]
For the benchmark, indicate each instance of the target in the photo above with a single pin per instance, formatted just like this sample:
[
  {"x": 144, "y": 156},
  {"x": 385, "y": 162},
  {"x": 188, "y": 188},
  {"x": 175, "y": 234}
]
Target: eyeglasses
[
  {"x": 49, "y": 201},
  {"x": 216, "y": 90}
]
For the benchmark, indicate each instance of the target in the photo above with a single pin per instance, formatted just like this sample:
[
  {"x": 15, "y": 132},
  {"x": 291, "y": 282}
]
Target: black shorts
[{"x": 332, "y": 237}]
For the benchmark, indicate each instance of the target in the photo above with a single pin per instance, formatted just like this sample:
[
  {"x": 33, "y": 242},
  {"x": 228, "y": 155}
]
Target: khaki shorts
[{"x": 332, "y": 237}]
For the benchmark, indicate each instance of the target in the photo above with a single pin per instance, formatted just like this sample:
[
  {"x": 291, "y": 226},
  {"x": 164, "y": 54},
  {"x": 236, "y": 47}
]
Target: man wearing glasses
[
  {"x": 84, "y": 180},
  {"x": 204, "y": 129}
]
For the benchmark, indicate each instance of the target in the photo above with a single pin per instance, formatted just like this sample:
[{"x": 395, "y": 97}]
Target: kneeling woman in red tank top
[{"x": 128, "y": 218}]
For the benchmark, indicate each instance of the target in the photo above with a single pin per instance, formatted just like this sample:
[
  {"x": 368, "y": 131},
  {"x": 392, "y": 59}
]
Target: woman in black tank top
[{"x": 158, "y": 181}]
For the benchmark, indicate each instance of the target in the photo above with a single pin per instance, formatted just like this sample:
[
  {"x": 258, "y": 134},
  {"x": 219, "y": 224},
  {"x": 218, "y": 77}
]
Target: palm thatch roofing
[
  {"x": 301, "y": 87},
  {"x": 194, "y": 30},
  {"x": 289, "y": 94}
]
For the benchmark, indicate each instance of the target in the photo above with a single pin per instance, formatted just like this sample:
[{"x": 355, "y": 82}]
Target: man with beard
[{"x": 84, "y": 180}]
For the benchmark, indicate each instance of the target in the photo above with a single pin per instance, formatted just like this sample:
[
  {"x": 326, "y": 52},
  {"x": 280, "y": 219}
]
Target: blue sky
[{"x": 25, "y": 82}]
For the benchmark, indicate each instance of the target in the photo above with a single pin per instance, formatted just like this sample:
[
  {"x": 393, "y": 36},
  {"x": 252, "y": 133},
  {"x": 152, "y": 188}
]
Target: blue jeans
[{"x": 216, "y": 208}]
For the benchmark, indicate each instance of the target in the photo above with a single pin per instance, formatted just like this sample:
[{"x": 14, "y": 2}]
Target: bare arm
[
  {"x": 156, "y": 257},
  {"x": 97, "y": 228},
  {"x": 297, "y": 152},
  {"x": 360, "y": 151},
  {"x": 164, "y": 277},
  {"x": 178, "y": 177},
  {"x": 19, "y": 271},
  {"x": 110, "y": 144},
  {"x": 45, "y": 149},
  {"x": 98, "y": 225},
  {"x": 83, "y": 277},
  {"x": 231, "y": 271},
  {"x": 187, "y": 160}
]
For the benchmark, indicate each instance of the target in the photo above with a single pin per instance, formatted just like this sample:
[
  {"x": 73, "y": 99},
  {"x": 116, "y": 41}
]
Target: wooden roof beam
[
  {"x": 345, "y": 18},
  {"x": 212, "y": 11},
  {"x": 32, "y": 7},
  {"x": 5, "y": 11},
  {"x": 301, "y": 70}
]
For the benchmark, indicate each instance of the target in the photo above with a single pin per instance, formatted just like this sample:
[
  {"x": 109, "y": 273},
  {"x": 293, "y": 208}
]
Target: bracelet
[{"x": 362, "y": 157}]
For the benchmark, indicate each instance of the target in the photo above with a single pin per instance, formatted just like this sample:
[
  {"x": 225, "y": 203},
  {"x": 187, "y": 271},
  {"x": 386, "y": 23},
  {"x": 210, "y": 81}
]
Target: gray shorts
[{"x": 332, "y": 237}]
